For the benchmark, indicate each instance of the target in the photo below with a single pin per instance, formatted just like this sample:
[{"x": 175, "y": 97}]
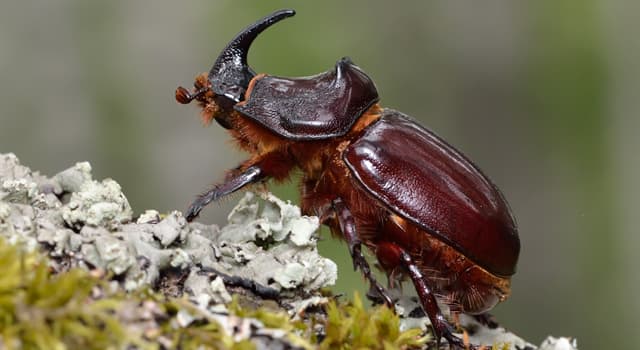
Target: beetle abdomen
[
  {"x": 317, "y": 107},
  {"x": 419, "y": 176}
]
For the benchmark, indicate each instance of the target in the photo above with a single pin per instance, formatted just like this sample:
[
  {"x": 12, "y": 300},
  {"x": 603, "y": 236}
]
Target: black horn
[{"x": 230, "y": 74}]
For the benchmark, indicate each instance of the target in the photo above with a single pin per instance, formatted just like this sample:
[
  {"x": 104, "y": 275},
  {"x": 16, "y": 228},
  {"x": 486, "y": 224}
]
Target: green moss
[
  {"x": 74, "y": 310},
  {"x": 39, "y": 310},
  {"x": 347, "y": 326},
  {"x": 296, "y": 331},
  {"x": 354, "y": 327}
]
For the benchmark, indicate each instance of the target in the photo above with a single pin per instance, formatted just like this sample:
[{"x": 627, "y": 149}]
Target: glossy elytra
[{"x": 374, "y": 175}]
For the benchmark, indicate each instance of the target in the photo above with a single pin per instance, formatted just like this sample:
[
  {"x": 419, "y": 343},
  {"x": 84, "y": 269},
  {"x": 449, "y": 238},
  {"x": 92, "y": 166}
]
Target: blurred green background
[{"x": 543, "y": 95}]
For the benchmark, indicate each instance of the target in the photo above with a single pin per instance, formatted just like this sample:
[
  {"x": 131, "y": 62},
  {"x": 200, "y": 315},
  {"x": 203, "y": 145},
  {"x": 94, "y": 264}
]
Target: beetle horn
[{"x": 230, "y": 74}]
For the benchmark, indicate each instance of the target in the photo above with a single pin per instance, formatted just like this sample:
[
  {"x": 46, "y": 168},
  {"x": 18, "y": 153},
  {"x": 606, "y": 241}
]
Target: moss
[
  {"x": 39, "y": 310},
  {"x": 295, "y": 330},
  {"x": 75, "y": 310},
  {"x": 354, "y": 327},
  {"x": 346, "y": 326}
]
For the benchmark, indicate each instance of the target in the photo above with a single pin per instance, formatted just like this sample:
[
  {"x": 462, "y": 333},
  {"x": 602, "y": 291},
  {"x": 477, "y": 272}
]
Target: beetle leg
[
  {"x": 250, "y": 175},
  {"x": 441, "y": 326},
  {"x": 348, "y": 228}
]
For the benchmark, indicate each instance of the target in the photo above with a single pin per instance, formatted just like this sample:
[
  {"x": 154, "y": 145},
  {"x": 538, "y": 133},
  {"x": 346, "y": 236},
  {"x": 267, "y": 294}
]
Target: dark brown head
[
  {"x": 230, "y": 75},
  {"x": 319, "y": 107}
]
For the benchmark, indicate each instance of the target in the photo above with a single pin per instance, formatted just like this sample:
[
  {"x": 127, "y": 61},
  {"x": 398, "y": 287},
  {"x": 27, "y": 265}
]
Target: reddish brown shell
[
  {"x": 419, "y": 176},
  {"x": 318, "y": 107}
]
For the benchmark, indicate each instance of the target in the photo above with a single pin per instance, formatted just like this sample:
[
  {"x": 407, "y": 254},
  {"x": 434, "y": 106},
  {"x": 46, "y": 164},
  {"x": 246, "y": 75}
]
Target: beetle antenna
[
  {"x": 230, "y": 74},
  {"x": 185, "y": 97}
]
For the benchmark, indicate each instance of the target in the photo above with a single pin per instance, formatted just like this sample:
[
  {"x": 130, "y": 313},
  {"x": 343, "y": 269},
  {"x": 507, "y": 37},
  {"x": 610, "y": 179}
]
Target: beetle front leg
[
  {"x": 250, "y": 175},
  {"x": 348, "y": 228}
]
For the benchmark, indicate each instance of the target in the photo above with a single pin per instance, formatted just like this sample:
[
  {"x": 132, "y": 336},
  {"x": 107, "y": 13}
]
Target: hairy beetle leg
[
  {"x": 348, "y": 228},
  {"x": 251, "y": 175},
  {"x": 441, "y": 326}
]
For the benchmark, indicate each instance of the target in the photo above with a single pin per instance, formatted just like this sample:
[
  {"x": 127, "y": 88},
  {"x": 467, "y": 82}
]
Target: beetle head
[{"x": 230, "y": 75}]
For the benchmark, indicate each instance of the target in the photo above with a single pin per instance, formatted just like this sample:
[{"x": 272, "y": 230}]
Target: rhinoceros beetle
[{"x": 372, "y": 174}]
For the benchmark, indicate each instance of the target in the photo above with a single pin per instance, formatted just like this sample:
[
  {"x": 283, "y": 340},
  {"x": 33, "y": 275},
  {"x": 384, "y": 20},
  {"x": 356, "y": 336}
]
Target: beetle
[{"x": 373, "y": 175}]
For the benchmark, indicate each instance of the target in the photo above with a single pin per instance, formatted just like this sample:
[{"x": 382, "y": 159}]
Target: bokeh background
[{"x": 543, "y": 95}]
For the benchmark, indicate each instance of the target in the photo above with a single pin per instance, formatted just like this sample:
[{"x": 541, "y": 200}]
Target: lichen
[
  {"x": 553, "y": 343},
  {"x": 75, "y": 310},
  {"x": 89, "y": 223},
  {"x": 87, "y": 229},
  {"x": 97, "y": 204}
]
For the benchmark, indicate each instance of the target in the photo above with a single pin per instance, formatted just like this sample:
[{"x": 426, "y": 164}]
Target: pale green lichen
[
  {"x": 553, "y": 343},
  {"x": 258, "y": 244},
  {"x": 72, "y": 179},
  {"x": 16, "y": 223},
  {"x": 89, "y": 223},
  {"x": 149, "y": 216},
  {"x": 18, "y": 190},
  {"x": 97, "y": 204}
]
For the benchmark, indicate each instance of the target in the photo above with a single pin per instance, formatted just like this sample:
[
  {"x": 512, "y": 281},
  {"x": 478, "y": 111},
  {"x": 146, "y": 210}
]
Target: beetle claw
[
  {"x": 193, "y": 212},
  {"x": 250, "y": 175},
  {"x": 359, "y": 261}
]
